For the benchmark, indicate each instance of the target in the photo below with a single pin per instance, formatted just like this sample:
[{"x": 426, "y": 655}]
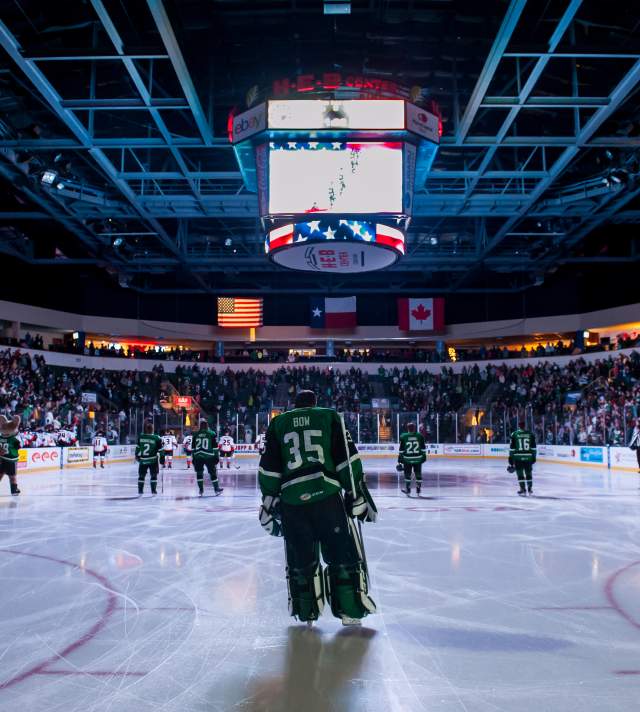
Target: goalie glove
[
  {"x": 362, "y": 507},
  {"x": 269, "y": 515}
]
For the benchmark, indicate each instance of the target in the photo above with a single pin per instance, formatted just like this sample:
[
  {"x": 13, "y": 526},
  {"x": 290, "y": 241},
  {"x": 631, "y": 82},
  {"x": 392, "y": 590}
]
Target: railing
[{"x": 473, "y": 424}]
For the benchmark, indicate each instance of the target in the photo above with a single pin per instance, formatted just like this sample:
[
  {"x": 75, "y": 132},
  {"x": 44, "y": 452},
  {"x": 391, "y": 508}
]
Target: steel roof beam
[
  {"x": 123, "y": 104},
  {"x": 83, "y": 56},
  {"x": 53, "y": 99},
  {"x": 618, "y": 96},
  {"x": 496, "y": 53},
  {"x": 177, "y": 60},
  {"x": 141, "y": 87},
  {"x": 527, "y": 88}
]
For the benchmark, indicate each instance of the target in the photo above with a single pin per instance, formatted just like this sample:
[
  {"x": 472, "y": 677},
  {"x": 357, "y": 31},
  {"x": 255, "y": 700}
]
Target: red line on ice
[
  {"x": 86, "y": 637},
  {"x": 609, "y": 592}
]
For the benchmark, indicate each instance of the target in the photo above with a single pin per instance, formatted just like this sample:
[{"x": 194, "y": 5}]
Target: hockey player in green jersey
[
  {"x": 412, "y": 453},
  {"x": 205, "y": 454},
  {"x": 9, "y": 447},
  {"x": 308, "y": 461},
  {"x": 148, "y": 453},
  {"x": 522, "y": 456}
]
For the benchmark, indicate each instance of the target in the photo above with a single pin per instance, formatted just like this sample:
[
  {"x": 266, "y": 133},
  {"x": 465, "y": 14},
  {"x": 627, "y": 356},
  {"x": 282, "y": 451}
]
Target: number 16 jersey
[{"x": 306, "y": 458}]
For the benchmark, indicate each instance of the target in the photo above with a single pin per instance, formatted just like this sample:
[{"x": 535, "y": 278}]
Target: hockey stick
[{"x": 357, "y": 532}]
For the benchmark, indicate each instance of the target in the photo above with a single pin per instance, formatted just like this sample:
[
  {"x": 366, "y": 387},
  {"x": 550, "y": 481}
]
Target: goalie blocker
[{"x": 306, "y": 465}]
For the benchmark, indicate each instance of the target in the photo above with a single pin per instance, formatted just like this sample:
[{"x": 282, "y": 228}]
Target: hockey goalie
[{"x": 313, "y": 491}]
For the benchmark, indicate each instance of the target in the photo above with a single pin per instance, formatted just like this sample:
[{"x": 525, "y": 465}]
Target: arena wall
[
  {"x": 617, "y": 458},
  {"x": 54, "y": 358},
  {"x": 600, "y": 320}
]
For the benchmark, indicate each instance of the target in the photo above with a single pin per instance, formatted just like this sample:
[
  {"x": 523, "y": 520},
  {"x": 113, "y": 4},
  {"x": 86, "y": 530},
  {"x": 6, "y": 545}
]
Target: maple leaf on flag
[{"x": 420, "y": 313}]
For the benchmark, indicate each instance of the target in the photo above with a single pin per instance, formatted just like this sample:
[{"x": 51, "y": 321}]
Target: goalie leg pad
[
  {"x": 306, "y": 589},
  {"x": 347, "y": 591}
]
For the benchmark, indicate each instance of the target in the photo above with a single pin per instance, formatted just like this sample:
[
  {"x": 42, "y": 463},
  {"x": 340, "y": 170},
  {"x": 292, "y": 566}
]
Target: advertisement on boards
[
  {"x": 463, "y": 449},
  {"x": 43, "y": 457},
  {"x": 623, "y": 457},
  {"x": 592, "y": 454},
  {"x": 77, "y": 455}
]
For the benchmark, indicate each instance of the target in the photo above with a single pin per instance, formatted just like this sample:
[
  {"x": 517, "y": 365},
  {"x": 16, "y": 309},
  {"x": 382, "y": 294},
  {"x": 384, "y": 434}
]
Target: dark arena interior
[{"x": 319, "y": 355}]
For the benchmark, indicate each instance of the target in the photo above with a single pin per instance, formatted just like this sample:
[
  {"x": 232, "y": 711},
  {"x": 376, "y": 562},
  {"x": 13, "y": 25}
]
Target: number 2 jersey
[
  {"x": 523, "y": 446},
  {"x": 413, "y": 449},
  {"x": 306, "y": 458},
  {"x": 148, "y": 448}
]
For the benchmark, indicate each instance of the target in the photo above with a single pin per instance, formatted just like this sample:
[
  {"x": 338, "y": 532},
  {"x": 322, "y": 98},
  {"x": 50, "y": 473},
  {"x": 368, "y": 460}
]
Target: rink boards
[{"x": 618, "y": 458}]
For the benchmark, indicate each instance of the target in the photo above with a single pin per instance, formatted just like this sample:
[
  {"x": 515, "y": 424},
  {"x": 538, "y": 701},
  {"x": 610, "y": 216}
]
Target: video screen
[{"x": 335, "y": 177}]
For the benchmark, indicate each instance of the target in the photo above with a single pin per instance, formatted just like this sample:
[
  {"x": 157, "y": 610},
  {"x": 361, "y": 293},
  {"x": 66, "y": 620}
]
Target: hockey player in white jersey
[
  {"x": 187, "y": 446},
  {"x": 226, "y": 448},
  {"x": 46, "y": 439},
  {"x": 261, "y": 442},
  {"x": 27, "y": 438},
  {"x": 169, "y": 444},
  {"x": 100, "y": 447},
  {"x": 67, "y": 438}
]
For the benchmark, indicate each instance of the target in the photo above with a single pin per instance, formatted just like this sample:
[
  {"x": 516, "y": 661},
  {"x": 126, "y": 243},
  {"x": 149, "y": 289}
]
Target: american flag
[{"x": 239, "y": 312}]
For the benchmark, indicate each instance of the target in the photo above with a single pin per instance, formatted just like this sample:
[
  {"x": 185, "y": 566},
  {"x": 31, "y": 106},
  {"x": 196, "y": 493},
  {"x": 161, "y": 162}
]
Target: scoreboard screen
[{"x": 335, "y": 177}]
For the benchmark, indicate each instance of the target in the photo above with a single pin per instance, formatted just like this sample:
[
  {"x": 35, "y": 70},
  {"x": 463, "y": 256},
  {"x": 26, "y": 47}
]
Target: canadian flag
[{"x": 421, "y": 314}]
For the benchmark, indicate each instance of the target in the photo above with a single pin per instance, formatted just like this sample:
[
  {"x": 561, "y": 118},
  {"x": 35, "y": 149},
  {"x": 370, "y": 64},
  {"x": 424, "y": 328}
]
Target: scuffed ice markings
[{"x": 487, "y": 601}]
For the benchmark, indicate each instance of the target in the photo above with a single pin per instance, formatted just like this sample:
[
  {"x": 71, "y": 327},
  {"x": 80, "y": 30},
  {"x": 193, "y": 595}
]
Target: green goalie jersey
[
  {"x": 306, "y": 458},
  {"x": 523, "y": 446},
  {"x": 413, "y": 449}
]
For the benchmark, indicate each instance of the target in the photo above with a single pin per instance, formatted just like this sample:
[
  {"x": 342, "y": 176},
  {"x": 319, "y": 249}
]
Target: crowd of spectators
[
  {"x": 346, "y": 355},
  {"x": 582, "y": 402}
]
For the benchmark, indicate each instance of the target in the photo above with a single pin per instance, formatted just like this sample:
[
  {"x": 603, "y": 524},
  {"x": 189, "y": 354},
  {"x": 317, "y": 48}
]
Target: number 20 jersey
[{"x": 306, "y": 458}]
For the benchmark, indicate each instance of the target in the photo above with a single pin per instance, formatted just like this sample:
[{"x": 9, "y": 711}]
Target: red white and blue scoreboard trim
[
  {"x": 335, "y": 176},
  {"x": 334, "y": 245}
]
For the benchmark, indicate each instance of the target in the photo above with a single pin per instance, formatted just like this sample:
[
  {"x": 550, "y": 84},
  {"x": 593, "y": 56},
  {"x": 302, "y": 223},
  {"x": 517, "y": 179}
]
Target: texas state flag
[
  {"x": 421, "y": 314},
  {"x": 332, "y": 313}
]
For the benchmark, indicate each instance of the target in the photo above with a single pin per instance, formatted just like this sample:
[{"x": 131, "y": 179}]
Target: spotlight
[
  {"x": 49, "y": 177},
  {"x": 117, "y": 242},
  {"x": 228, "y": 242},
  {"x": 332, "y": 7}
]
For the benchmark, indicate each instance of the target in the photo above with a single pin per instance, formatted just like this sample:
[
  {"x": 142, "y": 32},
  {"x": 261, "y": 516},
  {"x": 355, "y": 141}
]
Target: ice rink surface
[{"x": 487, "y": 602}]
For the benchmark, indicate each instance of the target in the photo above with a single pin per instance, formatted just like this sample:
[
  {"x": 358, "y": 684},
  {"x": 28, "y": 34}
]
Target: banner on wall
[
  {"x": 77, "y": 456},
  {"x": 623, "y": 457},
  {"x": 463, "y": 449},
  {"x": 39, "y": 458},
  {"x": 592, "y": 454}
]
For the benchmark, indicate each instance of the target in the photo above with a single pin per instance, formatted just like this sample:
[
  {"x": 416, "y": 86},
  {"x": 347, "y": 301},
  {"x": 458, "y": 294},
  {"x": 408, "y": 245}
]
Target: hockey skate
[
  {"x": 14, "y": 489},
  {"x": 406, "y": 490},
  {"x": 522, "y": 493},
  {"x": 348, "y": 621}
]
